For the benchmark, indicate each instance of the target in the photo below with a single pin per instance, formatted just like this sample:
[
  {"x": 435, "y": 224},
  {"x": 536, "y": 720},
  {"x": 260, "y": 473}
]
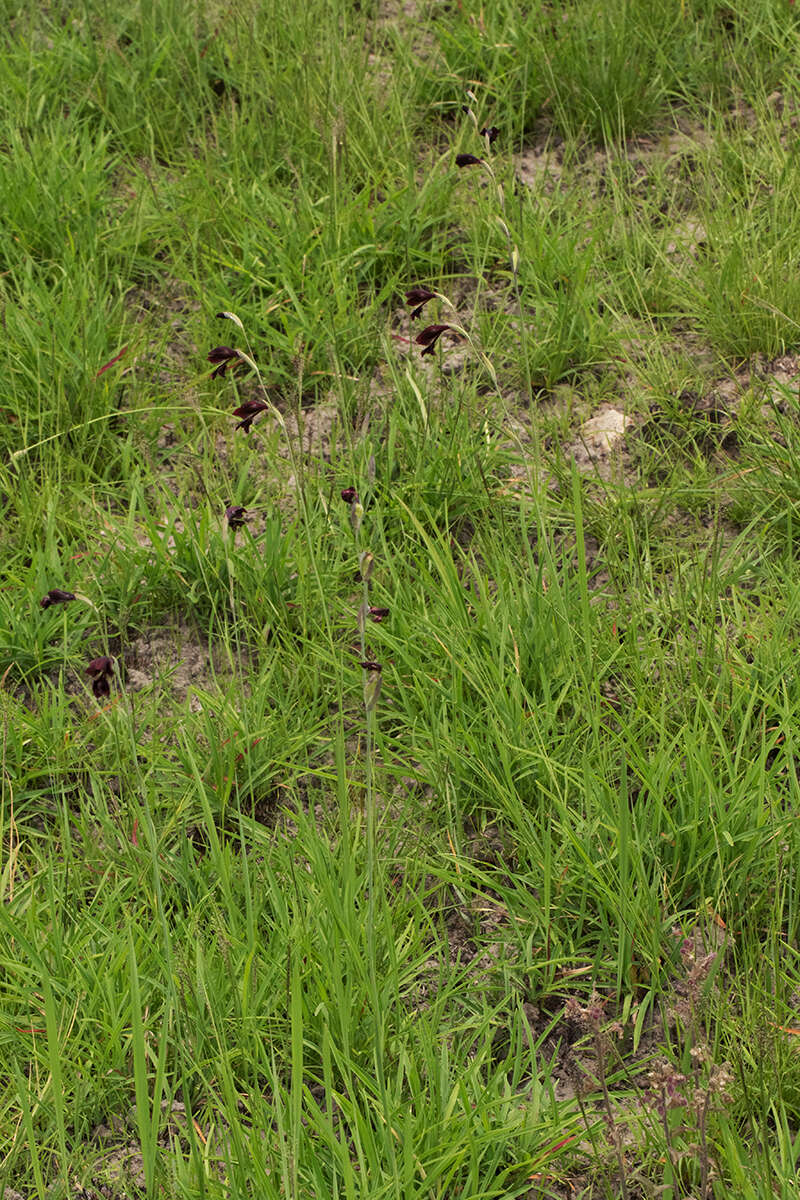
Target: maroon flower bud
[
  {"x": 369, "y": 665},
  {"x": 224, "y": 357},
  {"x": 56, "y": 596},
  {"x": 429, "y": 337},
  {"x": 378, "y": 614},
  {"x": 248, "y": 412},
  {"x": 467, "y": 160},
  {"x": 99, "y": 671},
  {"x": 236, "y": 515},
  {"x": 349, "y": 495}
]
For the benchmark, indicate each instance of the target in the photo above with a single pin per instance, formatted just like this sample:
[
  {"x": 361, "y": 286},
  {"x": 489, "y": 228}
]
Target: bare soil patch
[{"x": 177, "y": 657}]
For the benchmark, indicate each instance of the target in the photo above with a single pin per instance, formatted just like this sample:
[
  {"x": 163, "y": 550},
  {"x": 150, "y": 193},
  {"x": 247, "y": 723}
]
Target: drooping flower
[
  {"x": 491, "y": 132},
  {"x": 100, "y": 671},
  {"x": 418, "y": 297},
  {"x": 467, "y": 160},
  {"x": 429, "y": 337},
  {"x": 349, "y": 495},
  {"x": 378, "y": 614},
  {"x": 224, "y": 357},
  {"x": 56, "y": 596},
  {"x": 248, "y": 413},
  {"x": 236, "y": 515}
]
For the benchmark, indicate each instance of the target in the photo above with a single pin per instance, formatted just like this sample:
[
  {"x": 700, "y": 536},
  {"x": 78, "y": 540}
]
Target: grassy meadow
[{"x": 424, "y": 824}]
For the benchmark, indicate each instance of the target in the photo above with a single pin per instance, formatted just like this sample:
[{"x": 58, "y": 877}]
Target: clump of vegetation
[{"x": 397, "y": 764}]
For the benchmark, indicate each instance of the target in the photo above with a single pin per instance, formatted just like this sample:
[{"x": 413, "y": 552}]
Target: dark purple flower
[
  {"x": 378, "y": 614},
  {"x": 99, "y": 671},
  {"x": 429, "y": 337},
  {"x": 491, "y": 132},
  {"x": 248, "y": 412},
  {"x": 56, "y": 596},
  {"x": 349, "y": 495},
  {"x": 369, "y": 665},
  {"x": 418, "y": 297},
  {"x": 224, "y": 357},
  {"x": 467, "y": 160},
  {"x": 236, "y": 515},
  {"x": 419, "y": 294}
]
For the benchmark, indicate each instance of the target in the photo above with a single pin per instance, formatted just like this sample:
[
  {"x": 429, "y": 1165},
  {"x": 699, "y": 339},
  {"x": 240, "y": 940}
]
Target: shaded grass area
[{"x": 523, "y": 923}]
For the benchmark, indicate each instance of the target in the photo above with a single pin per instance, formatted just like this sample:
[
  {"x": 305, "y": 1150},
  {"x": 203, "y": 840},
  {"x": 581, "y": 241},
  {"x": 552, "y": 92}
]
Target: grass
[{"x": 513, "y": 912}]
